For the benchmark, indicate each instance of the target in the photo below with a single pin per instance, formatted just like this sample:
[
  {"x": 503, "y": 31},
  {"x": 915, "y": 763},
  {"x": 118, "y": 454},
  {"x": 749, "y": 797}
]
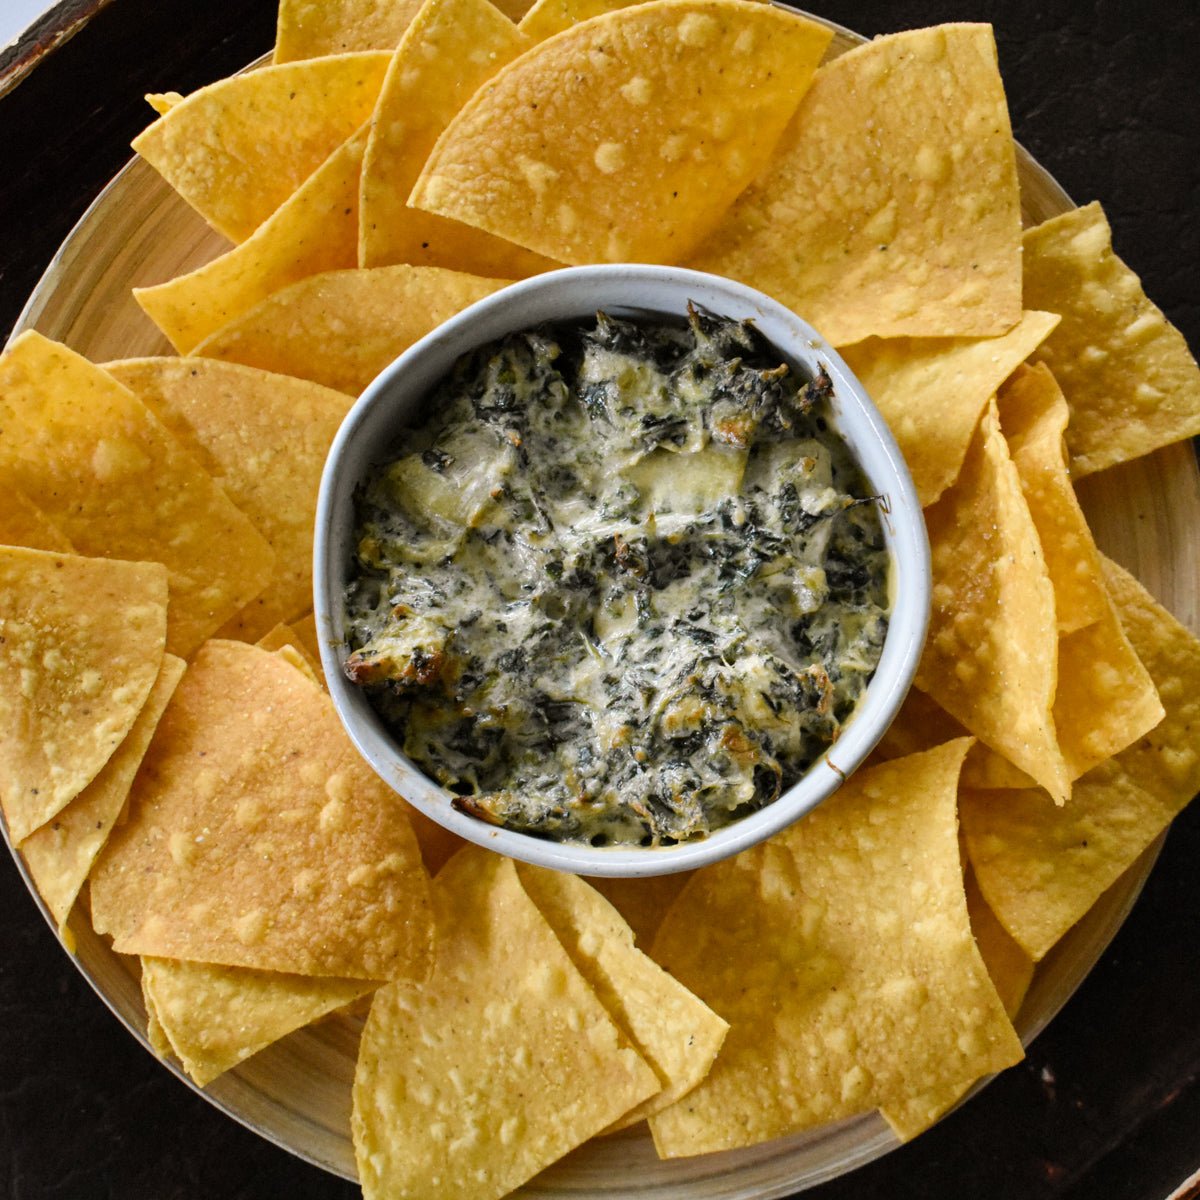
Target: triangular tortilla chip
[
  {"x": 499, "y": 1065},
  {"x": 316, "y": 28},
  {"x": 662, "y": 112},
  {"x": 891, "y": 205},
  {"x": 673, "y": 1030},
  {"x": 264, "y": 438},
  {"x": 841, "y": 954},
  {"x": 285, "y": 637},
  {"x": 991, "y": 655},
  {"x": 60, "y": 854},
  {"x": 545, "y": 18},
  {"x": 101, "y": 466},
  {"x": 216, "y": 1017},
  {"x": 258, "y": 838},
  {"x": 343, "y": 327},
  {"x": 1033, "y": 415},
  {"x": 932, "y": 392},
  {"x": 1127, "y": 373},
  {"x": 642, "y": 902},
  {"x": 315, "y": 229},
  {"x": 237, "y": 149},
  {"x": 451, "y": 49},
  {"x": 1041, "y": 867},
  {"x": 22, "y": 523},
  {"x": 81, "y": 643}
]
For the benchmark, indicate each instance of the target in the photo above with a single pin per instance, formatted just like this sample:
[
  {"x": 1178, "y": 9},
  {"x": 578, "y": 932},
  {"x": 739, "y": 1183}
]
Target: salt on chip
[
  {"x": 214, "y": 1017},
  {"x": 22, "y": 523},
  {"x": 1011, "y": 971},
  {"x": 912, "y": 229},
  {"x": 314, "y": 230},
  {"x": 1040, "y": 867},
  {"x": 673, "y": 1030},
  {"x": 841, "y": 954},
  {"x": 932, "y": 392},
  {"x": 991, "y": 655},
  {"x": 451, "y": 49},
  {"x": 1033, "y": 415},
  {"x": 499, "y": 1065},
  {"x": 1127, "y": 373},
  {"x": 264, "y": 438},
  {"x": 60, "y": 854},
  {"x": 105, "y": 470},
  {"x": 81, "y": 644},
  {"x": 258, "y": 838},
  {"x": 625, "y": 138},
  {"x": 342, "y": 328},
  {"x": 317, "y": 28},
  {"x": 237, "y": 149}
]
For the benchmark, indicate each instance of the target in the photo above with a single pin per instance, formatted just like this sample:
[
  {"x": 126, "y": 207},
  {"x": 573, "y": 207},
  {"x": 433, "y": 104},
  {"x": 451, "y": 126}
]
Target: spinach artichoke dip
[{"x": 624, "y": 584}]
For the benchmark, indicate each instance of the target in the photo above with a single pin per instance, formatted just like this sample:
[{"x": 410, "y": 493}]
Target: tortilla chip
[
  {"x": 991, "y": 655},
  {"x": 306, "y": 631},
  {"x": 498, "y": 1066},
  {"x": 237, "y": 149},
  {"x": 932, "y": 392},
  {"x": 1033, "y": 415},
  {"x": 626, "y": 138},
  {"x": 81, "y": 643},
  {"x": 451, "y": 49},
  {"x": 264, "y": 438},
  {"x": 643, "y": 902},
  {"x": 97, "y": 462},
  {"x": 545, "y": 18},
  {"x": 155, "y": 1034},
  {"x": 314, "y": 230},
  {"x": 841, "y": 954},
  {"x": 911, "y": 231},
  {"x": 216, "y": 1017},
  {"x": 60, "y": 854},
  {"x": 285, "y": 637},
  {"x": 673, "y": 1030},
  {"x": 258, "y": 838},
  {"x": 1041, "y": 867},
  {"x": 315, "y": 28},
  {"x": 22, "y": 523},
  {"x": 1126, "y": 372},
  {"x": 1011, "y": 971},
  {"x": 343, "y": 327}
]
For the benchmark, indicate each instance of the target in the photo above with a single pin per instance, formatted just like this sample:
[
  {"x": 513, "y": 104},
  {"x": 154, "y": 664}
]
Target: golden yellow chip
[
  {"x": 283, "y": 636},
  {"x": 60, "y": 854},
  {"x": 545, "y": 18},
  {"x": 264, "y": 438},
  {"x": 932, "y": 391},
  {"x": 1126, "y": 372},
  {"x": 316, "y": 28},
  {"x": 449, "y": 51},
  {"x": 213, "y": 1018},
  {"x": 22, "y": 523},
  {"x": 314, "y": 230},
  {"x": 991, "y": 654},
  {"x": 891, "y": 206},
  {"x": 81, "y": 643},
  {"x": 627, "y": 137},
  {"x": 1033, "y": 415},
  {"x": 101, "y": 466},
  {"x": 841, "y": 954},
  {"x": 1041, "y": 867},
  {"x": 258, "y": 838},
  {"x": 504, "y": 1061},
  {"x": 342, "y": 328},
  {"x": 236, "y": 150},
  {"x": 673, "y": 1030}
]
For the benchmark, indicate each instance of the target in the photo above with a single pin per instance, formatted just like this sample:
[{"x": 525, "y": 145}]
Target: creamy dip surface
[{"x": 622, "y": 585}]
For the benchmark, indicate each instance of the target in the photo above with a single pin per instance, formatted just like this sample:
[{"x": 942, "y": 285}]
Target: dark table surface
[{"x": 1107, "y": 1105}]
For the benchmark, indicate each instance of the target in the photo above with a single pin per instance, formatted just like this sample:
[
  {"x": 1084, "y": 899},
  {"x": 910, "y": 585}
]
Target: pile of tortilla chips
[{"x": 171, "y": 767}]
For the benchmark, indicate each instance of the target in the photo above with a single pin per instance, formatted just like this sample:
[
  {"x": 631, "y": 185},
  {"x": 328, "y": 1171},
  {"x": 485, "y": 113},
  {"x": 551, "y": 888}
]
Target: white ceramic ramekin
[{"x": 394, "y": 399}]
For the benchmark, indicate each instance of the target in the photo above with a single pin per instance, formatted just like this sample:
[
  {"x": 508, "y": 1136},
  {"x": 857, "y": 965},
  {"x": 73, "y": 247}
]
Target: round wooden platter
[{"x": 297, "y": 1092}]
